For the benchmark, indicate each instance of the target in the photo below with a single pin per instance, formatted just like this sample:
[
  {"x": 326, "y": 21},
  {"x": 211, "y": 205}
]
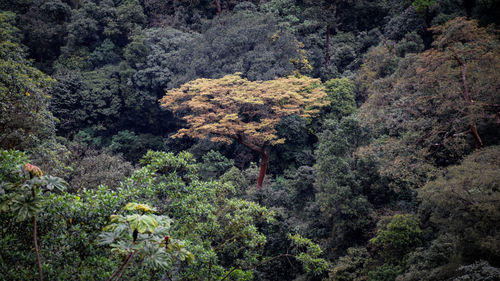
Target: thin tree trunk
[
  {"x": 219, "y": 9},
  {"x": 229, "y": 273},
  {"x": 477, "y": 139},
  {"x": 35, "y": 240},
  {"x": 124, "y": 264},
  {"x": 116, "y": 271},
  {"x": 127, "y": 261},
  {"x": 264, "y": 158},
  {"x": 327, "y": 46},
  {"x": 40, "y": 274},
  {"x": 473, "y": 128}
]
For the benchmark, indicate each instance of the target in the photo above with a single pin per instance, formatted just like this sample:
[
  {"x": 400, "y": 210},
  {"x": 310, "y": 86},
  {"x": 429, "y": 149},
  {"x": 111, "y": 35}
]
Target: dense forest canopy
[{"x": 250, "y": 140}]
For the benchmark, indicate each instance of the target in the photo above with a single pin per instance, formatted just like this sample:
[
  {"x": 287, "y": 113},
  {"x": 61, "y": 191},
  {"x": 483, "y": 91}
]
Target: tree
[
  {"x": 436, "y": 106},
  {"x": 329, "y": 13},
  {"x": 345, "y": 211},
  {"x": 21, "y": 191},
  {"x": 24, "y": 116},
  {"x": 340, "y": 93},
  {"x": 350, "y": 267},
  {"x": 214, "y": 165},
  {"x": 44, "y": 29},
  {"x": 463, "y": 67},
  {"x": 463, "y": 204},
  {"x": 397, "y": 236},
  {"x": 143, "y": 235},
  {"x": 233, "y": 108}
]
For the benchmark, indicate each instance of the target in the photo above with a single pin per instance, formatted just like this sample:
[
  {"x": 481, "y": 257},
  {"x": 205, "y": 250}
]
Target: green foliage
[
  {"x": 91, "y": 168},
  {"x": 478, "y": 271},
  {"x": 106, "y": 53},
  {"x": 417, "y": 98},
  {"x": 7, "y": 28},
  {"x": 99, "y": 97},
  {"x": 10, "y": 163},
  {"x": 133, "y": 145},
  {"x": 332, "y": 177},
  {"x": 214, "y": 165},
  {"x": 386, "y": 272},
  {"x": 203, "y": 210},
  {"x": 340, "y": 93},
  {"x": 422, "y": 6},
  {"x": 409, "y": 20},
  {"x": 297, "y": 151},
  {"x": 24, "y": 115},
  {"x": 351, "y": 266},
  {"x": 437, "y": 262},
  {"x": 463, "y": 202},
  {"x": 411, "y": 43},
  {"x": 398, "y": 237},
  {"x": 310, "y": 256},
  {"x": 344, "y": 208},
  {"x": 43, "y": 24},
  {"x": 145, "y": 235},
  {"x": 130, "y": 15},
  {"x": 21, "y": 197},
  {"x": 182, "y": 164},
  {"x": 22, "y": 187},
  {"x": 221, "y": 232}
]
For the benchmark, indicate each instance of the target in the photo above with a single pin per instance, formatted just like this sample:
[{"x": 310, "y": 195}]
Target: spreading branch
[
  {"x": 232, "y": 108},
  {"x": 467, "y": 96}
]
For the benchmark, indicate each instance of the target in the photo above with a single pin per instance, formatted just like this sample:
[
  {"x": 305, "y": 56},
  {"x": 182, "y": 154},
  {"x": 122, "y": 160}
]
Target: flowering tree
[{"x": 233, "y": 108}]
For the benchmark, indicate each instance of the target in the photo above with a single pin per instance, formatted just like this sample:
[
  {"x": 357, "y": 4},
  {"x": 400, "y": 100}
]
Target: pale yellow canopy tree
[{"x": 233, "y": 108}]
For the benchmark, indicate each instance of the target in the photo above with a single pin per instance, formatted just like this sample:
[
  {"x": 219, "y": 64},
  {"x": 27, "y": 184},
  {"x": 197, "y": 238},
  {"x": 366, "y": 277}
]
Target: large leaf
[
  {"x": 156, "y": 257},
  {"x": 142, "y": 223},
  {"x": 107, "y": 238},
  {"x": 24, "y": 207},
  {"x": 52, "y": 182},
  {"x": 139, "y": 207}
]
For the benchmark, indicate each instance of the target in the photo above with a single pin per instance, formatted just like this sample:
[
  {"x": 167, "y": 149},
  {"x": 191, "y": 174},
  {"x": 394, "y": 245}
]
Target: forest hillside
[{"x": 241, "y": 140}]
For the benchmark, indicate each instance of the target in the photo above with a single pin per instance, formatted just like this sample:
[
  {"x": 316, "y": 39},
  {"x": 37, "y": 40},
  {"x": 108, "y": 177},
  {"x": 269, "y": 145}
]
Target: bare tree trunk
[
  {"x": 35, "y": 240},
  {"x": 327, "y": 46},
  {"x": 264, "y": 158},
  {"x": 477, "y": 139}
]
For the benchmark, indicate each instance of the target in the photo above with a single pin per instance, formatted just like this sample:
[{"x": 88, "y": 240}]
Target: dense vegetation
[{"x": 250, "y": 140}]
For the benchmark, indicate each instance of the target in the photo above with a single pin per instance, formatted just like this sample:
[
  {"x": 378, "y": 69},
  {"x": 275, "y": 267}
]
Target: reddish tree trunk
[
  {"x": 327, "y": 47},
  {"x": 264, "y": 158},
  {"x": 219, "y": 9},
  {"x": 473, "y": 128}
]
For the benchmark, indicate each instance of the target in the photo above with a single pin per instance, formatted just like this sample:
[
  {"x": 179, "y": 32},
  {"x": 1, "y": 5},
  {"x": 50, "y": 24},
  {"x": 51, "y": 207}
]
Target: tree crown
[{"x": 232, "y": 107}]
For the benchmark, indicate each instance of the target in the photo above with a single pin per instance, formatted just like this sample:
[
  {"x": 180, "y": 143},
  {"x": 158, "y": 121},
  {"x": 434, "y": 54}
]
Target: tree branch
[
  {"x": 467, "y": 97},
  {"x": 229, "y": 273},
  {"x": 251, "y": 146}
]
